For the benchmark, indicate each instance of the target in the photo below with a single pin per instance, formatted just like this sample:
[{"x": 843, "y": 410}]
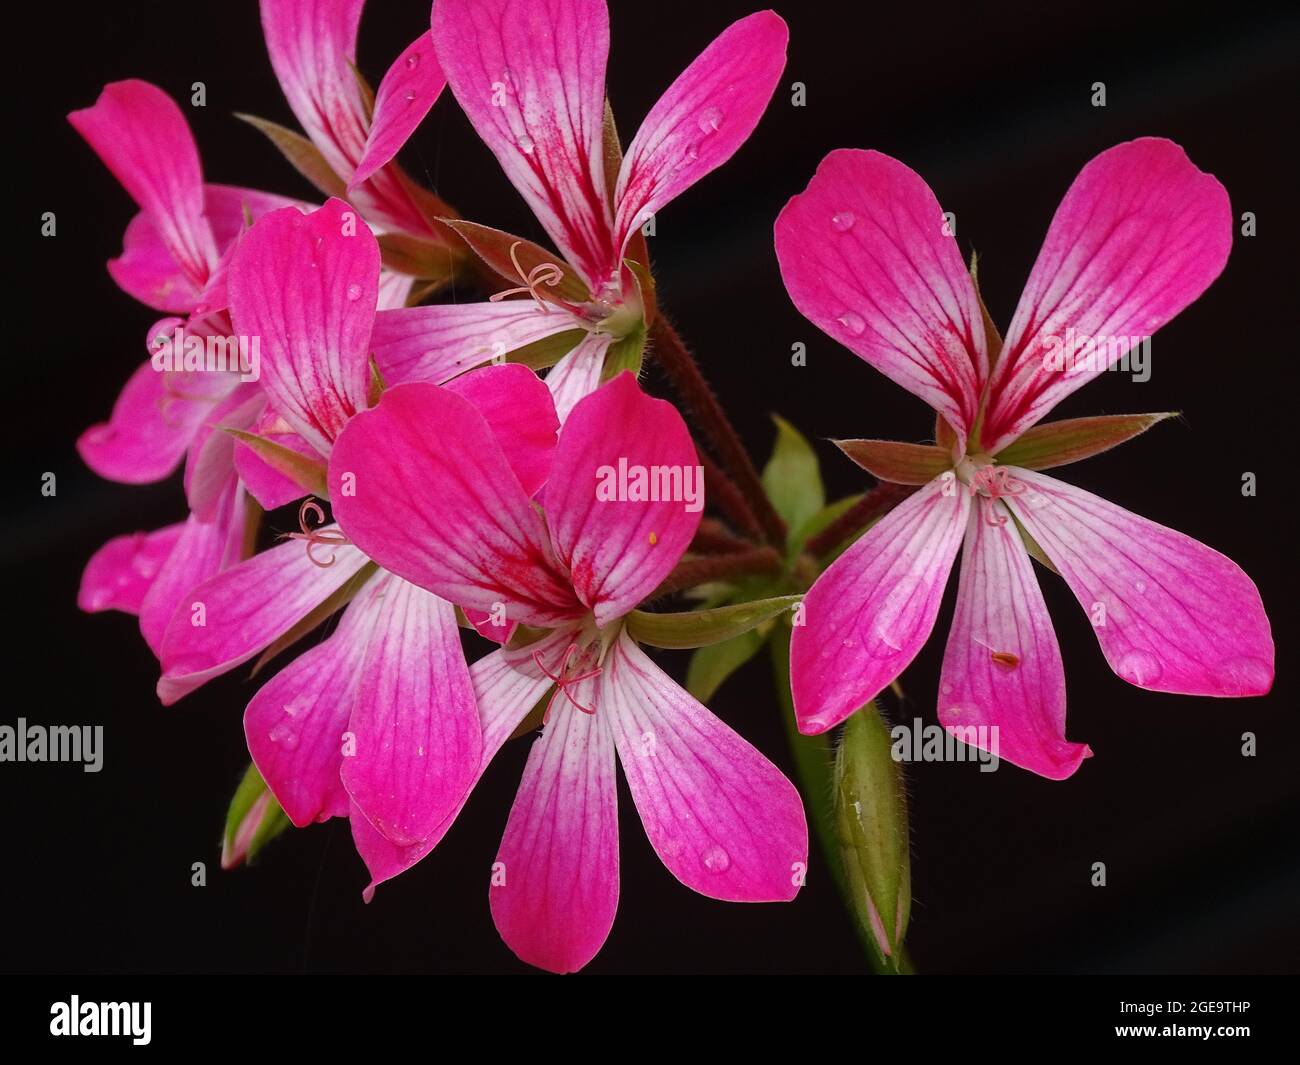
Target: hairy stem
[
  {"x": 694, "y": 390},
  {"x": 706, "y": 568},
  {"x": 876, "y": 503}
]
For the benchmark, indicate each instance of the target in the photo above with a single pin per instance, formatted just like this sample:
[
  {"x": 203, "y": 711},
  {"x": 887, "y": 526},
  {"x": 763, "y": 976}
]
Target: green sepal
[
  {"x": 700, "y": 628},
  {"x": 307, "y": 474}
]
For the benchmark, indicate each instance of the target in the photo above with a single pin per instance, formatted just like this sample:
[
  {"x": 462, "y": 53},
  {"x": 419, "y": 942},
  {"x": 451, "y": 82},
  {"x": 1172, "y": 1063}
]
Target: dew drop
[
  {"x": 413, "y": 61},
  {"x": 354, "y": 291},
  {"x": 1139, "y": 667},
  {"x": 285, "y": 736},
  {"x": 526, "y": 144},
  {"x": 1140, "y": 586},
  {"x": 716, "y": 860},
  {"x": 853, "y": 323},
  {"x": 843, "y": 221},
  {"x": 710, "y": 120},
  {"x": 410, "y": 97}
]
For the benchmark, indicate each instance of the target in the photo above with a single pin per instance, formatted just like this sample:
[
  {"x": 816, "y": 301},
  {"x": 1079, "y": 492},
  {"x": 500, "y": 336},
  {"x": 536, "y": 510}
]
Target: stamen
[
  {"x": 314, "y": 537},
  {"x": 992, "y": 483},
  {"x": 544, "y": 273},
  {"x": 563, "y": 683}
]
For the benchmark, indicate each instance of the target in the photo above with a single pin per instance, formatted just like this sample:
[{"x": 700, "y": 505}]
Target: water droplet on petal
[
  {"x": 853, "y": 323},
  {"x": 710, "y": 120},
  {"x": 410, "y": 97},
  {"x": 526, "y": 144},
  {"x": 843, "y": 221},
  {"x": 1139, "y": 667},
  {"x": 285, "y": 736},
  {"x": 1140, "y": 586},
  {"x": 897, "y": 613},
  {"x": 716, "y": 860},
  {"x": 413, "y": 61},
  {"x": 354, "y": 291}
]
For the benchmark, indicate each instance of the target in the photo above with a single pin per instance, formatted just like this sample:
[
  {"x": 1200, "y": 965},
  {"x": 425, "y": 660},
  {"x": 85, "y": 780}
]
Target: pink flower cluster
[{"x": 463, "y": 488}]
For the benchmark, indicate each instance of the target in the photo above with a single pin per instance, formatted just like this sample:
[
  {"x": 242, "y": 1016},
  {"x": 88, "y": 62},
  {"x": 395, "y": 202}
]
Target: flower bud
[
  {"x": 871, "y": 822},
  {"x": 253, "y": 820}
]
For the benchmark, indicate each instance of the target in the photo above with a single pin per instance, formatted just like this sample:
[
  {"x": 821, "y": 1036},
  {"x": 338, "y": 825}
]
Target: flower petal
[
  {"x": 1002, "y": 666},
  {"x": 267, "y": 485},
  {"x": 152, "y": 424},
  {"x": 577, "y": 375},
  {"x": 518, "y": 408},
  {"x": 143, "y": 138},
  {"x": 418, "y": 741},
  {"x": 554, "y": 886},
  {"x": 1140, "y": 234},
  {"x": 625, "y": 495},
  {"x": 507, "y": 685},
  {"x": 120, "y": 574},
  {"x": 203, "y": 549},
  {"x": 868, "y": 258},
  {"x": 296, "y": 723},
  {"x": 703, "y": 118},
  {"x": 307, "y": 286},
  {"x": 531, "y": 79},
  {"x": 411, "y": 86},
  {"x": 147, "y": 270},
  {"x": 421, "y": 484},
  {"x": 437, "y": 342},
  {"x": 245, "y": 609},
  {"x": 1178, "y": 616},
  {"x": 210, "y": 464},
  {"x": 723, "y": 819},
  {"x": 872, "y": 610}
]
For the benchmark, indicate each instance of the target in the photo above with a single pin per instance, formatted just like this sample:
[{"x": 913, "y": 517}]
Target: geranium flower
[
  {"x": 445, "y": 511},
  {"x": 531, "y": 79},
  {"x": 378, "y": 722},
  {"x": 866, "y": 256}
]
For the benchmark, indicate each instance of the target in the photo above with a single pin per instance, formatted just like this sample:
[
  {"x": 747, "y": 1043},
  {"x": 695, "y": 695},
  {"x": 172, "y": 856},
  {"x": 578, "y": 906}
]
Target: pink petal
[
  {"x": 307, "y": 286},
  {"x": 865, "y": 257},
  {"x": 394, "y": 290},
  {"x": 507, "y": 685},
  {"x": 120, "y": 574},
  {"x": 723, "y": 819},
  {"x": 203, "y": 549},
  {"x": 577, "y": 375},
  {"x": 703, "y": 118},
  {"x": 152, "y": 424},
  {"x": 422, "y": 486},
  {"x": 1179, "y": 616},
  {"x": 518, "y": 408},
  {"x": 246, "y": 609},
  {"x": 269, "y": 486},
  {"x": 408, "y": 90},
  {"x": 1140, "y": 234},
  {"x": 437, "y": 342},
  {"x": 1002, "y": 667},
  {"x": 313, "y": 48},
  {"x": 531, "y": 79},
  {"x": 228, "y": 208},
  {"x": 296, "y": 723},
  {"x": 554, "y": 888},
  {"x": 147, "y": 270},
  {"x": 210, "y": 464},
  {"x": 418, "y": 741},
  {"x": 142, "y": 137},
  {"x": 872, "y": 610},
  {"x": 619, "y": 548}
]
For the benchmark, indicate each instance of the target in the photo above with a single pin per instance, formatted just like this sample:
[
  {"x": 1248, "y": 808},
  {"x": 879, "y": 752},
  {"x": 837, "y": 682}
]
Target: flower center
[
  {"x": 544, "y": 273},
  {"x": 989, "y": 482},
  {"x": 316, "y": 537},
  {"x": 575, "y": 666}
]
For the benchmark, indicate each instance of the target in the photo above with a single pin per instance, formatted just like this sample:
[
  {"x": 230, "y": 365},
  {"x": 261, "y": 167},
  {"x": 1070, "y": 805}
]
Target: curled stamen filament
[
  {"x": 993, "y": 483},
  {"x": 562, "y": 682},
  {"x": 543, "y": 273},
  {"x": 314, "y": 537}
]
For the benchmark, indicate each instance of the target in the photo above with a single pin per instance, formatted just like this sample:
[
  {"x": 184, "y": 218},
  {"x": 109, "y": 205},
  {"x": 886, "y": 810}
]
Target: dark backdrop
[{"x": 992, "y": 106}]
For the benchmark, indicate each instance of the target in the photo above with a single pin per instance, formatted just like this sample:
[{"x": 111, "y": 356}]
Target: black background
[{"x": 992, "y": 106}]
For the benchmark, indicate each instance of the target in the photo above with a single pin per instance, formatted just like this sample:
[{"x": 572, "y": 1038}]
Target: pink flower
[
  {"x": 379, "y": 721},
  {"x": 172, "y": 259},
  {"x": 866, "y": 256},
  {"x": 444, "y": 510},
  {"x": 531, "y": 78},
  {"x": 313, "y": 48}
]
